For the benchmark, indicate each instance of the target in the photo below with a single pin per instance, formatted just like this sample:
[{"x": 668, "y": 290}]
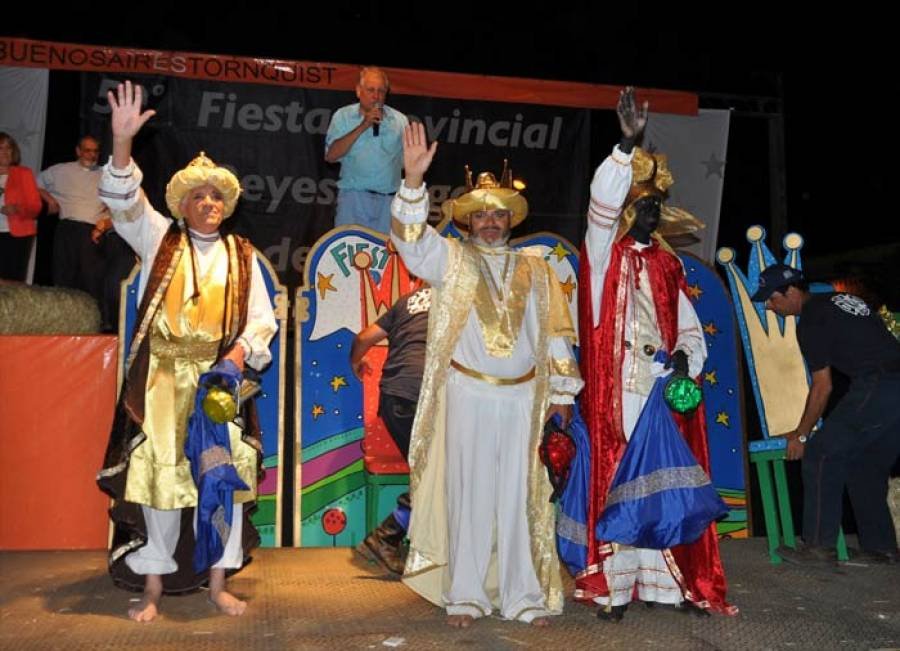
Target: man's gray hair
[{"x": 374, "y": 70}]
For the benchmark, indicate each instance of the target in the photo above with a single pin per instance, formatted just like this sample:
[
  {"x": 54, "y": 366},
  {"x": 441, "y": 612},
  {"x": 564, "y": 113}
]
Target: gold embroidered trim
[
  {"x": 169, "y": 349},
  {"x": 407, "y": 232},
  {"x": 565, "y": 367},
  {"x": 492, "y": 379},
  {"x": 501, "y": 321}
]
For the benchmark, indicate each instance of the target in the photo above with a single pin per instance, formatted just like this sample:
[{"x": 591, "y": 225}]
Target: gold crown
[{"x": 488, "y": 194}]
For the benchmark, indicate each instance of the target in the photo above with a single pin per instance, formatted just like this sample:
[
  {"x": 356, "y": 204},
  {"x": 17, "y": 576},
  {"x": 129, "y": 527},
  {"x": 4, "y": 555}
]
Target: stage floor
[{"x": 329, "y": 599}]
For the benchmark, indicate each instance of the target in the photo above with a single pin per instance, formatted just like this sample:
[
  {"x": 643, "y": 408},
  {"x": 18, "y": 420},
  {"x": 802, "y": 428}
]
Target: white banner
[
  {"x": 23, "y": 110},
  {"x": 697, "y": 148}
]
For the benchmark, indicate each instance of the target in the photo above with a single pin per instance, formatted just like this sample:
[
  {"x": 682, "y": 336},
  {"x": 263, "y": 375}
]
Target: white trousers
[
  {"x": 631, "y": 567},
  {"x": 487, "y": 450},
  {"x": 163, "y": 530}
]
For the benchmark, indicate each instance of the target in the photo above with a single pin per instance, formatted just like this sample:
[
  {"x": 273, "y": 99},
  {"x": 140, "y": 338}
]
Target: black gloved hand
[{"x": 679, "y": 362}]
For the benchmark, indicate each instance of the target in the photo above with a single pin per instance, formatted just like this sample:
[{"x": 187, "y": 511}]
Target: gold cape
[{"x": 427, "y": 570}]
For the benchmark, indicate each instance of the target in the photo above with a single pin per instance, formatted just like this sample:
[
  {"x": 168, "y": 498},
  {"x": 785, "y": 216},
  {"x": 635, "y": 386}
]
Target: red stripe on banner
[
  {"x": 329, "y": 76},
  {"x": 533, "y": 91}
]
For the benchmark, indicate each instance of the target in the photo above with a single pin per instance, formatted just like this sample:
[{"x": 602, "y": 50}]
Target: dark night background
[{"x": 825, "y": 75}]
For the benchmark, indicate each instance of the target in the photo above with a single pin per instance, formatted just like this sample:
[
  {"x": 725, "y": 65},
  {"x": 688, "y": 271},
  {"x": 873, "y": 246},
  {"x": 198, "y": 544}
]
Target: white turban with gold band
[{"x": 202, "y": 171}]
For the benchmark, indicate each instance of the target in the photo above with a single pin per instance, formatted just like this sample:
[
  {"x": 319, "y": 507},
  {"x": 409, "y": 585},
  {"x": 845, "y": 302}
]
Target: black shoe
[
  {"x": 690, "y": 608},
  {"x": 808, "y": 555},
  {"x": 404, "y": 501},
  {"x": 614, "y": 614},
  {"x": 866, "y": 557}
]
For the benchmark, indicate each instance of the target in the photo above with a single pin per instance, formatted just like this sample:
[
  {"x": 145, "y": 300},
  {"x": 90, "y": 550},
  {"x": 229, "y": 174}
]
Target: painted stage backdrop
[
  {"x": 352, "y": 277},
  {"x": 722, "y": 392}
]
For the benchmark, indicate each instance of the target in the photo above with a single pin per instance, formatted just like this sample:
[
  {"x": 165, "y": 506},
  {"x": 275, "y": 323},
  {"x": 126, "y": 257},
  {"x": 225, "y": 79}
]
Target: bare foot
[
  {"x": 541, "y": 622},
  {"x": 147, "y": 608},
  {"x": 460, "y": 621},
  {"x": 226, "y": 602}
]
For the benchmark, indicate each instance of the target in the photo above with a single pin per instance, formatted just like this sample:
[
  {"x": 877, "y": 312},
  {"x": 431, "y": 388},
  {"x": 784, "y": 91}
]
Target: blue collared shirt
[{"x": 372, "y": 163}]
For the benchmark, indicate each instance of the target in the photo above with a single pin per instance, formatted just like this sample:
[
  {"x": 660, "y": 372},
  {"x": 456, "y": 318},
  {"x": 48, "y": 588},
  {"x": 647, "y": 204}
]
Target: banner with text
[{"x": 273, "y": 138}]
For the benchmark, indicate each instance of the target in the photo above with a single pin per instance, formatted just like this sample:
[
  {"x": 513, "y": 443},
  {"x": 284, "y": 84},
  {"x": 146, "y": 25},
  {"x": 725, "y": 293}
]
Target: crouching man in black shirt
[
  {"x": 860, "y": 440},
  {"x": 405, "y": 325}
]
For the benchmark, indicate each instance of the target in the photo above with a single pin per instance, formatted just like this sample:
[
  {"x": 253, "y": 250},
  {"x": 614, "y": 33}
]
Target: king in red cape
[{"x": 637, "y": 325}]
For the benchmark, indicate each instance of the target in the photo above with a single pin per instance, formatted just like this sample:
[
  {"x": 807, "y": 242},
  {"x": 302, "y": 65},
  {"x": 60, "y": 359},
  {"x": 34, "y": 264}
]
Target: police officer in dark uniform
[{"x": 859, "y": 442}]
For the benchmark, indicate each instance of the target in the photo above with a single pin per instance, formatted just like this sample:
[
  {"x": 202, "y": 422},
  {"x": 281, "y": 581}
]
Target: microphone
[{"x": 376, "y": 125}]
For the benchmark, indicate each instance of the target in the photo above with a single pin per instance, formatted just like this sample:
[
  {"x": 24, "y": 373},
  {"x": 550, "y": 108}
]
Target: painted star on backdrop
[
  {"x": 337, "y": 382},
  {"x": 710, "y": 328},
  {"x": 317, "y": 411},
  {"x": 714, "y": 166},
  {"x": 323, "y": 284},
  {"x": 560, "y": 251},
  {"x": 711, "y": 378},
  {"x": 568, "y": 287},
  {"x": 722, "y": 419},
  {"x": 695, "y": 291}
]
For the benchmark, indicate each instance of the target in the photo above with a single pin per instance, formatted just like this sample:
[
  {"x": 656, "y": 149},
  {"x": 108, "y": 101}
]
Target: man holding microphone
[{"x": 367, "y": 139}]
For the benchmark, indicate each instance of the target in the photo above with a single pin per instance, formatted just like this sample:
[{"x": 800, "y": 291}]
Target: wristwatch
[{"x": 803, "y": 438}]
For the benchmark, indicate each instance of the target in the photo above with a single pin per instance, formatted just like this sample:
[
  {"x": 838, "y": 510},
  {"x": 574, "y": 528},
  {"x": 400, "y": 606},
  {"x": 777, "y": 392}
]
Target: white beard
[{"x": 499, "y": 243}]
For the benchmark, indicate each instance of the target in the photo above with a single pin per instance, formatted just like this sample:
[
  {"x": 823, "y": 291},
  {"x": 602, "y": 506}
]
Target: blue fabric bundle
[{"x": 208, "y": 449}]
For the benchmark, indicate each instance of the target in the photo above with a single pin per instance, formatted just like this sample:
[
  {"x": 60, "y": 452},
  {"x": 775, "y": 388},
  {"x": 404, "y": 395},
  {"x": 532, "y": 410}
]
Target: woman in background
[{"x": 20, "y": 205}]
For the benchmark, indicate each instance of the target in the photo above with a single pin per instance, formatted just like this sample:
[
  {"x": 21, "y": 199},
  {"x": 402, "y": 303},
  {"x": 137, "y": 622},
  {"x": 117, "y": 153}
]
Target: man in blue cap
[{"x": 860, "y": 440}]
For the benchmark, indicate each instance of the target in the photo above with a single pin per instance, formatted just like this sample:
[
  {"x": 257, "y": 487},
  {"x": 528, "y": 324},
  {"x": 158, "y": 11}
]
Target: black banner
[{"x": 273, "y": 138}]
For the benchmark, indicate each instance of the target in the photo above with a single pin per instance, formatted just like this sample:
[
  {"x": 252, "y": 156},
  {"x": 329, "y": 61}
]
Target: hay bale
[{"x": 29, "y": 310}]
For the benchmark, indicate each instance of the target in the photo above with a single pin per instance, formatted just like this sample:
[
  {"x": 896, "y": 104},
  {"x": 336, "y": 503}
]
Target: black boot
[
  {"x": 403, "y": 500},
  {"x": 384, "y": 545},
  {"x": 690, "y": 608},
  {"x": 614, "y": 614}
]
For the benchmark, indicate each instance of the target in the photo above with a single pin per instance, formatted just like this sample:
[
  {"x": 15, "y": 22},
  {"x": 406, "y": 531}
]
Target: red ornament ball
[
  {"x": 334, "y": 521},
  {"x": 557, "y": 452}
]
